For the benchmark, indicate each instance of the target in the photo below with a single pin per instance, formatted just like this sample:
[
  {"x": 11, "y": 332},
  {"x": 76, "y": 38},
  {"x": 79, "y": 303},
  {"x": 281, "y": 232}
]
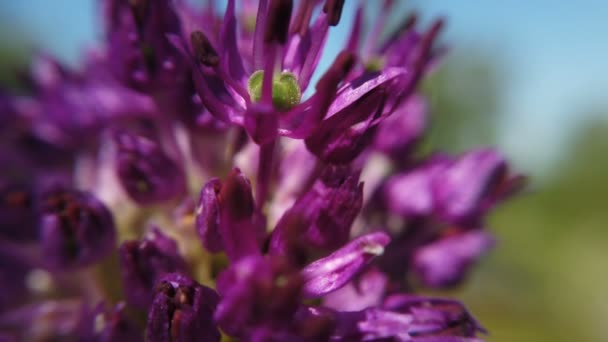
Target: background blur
[{"x": 528, "y": 76}]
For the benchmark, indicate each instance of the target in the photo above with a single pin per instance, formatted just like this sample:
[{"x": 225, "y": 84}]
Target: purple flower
[
  {"x": 433, "y": 317},
  {"x": 460, "y": 190},
  {"x": 76, "y": 229},
  {"x": 142, "y": 263},
  {"x": 473, "y": 184},
  {"x": 318, "y": 246},
  {"x": 182, "y": 310},
  {"x": 146, "y": 172}
]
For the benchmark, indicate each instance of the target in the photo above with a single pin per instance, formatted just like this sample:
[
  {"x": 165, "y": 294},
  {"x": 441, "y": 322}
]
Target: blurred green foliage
[{"x": 546, "y": 280}]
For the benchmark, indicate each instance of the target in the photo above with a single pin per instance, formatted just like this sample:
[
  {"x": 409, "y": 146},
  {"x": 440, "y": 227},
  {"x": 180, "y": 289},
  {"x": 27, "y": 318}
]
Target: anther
[
  {"x": 333, "y": 9},
  {"x": 277, "y": 21},
  {"x": 204, "y": 52}
]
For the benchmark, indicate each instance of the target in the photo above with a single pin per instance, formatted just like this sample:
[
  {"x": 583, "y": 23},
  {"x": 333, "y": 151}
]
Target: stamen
[
  {"x": 277, "y": 21},
  {"x": 337, "y": 72},
  {"x": 333, "y": 9},
  {"x": 327, "y": 86},
  {"x": 203, "y": 50},
  {"x": 427, "y": 44},
  {"x": 408, "y": 24},
  {"x": 302, "y": 18}
]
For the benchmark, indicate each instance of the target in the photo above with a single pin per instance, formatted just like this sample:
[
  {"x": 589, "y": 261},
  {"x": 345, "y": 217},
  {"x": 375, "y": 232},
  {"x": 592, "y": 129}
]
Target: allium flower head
[{"x": 190, "y": 183}]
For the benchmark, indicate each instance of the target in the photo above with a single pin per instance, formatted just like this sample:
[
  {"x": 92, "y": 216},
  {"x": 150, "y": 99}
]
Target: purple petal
[
  {"x": 231, "y": 58},
  {"x": 446, "y": 261},
  {"x": 411, "y": 194},
  {"x": 334, "y": 271},
  {"x": 325, "y": 213},
  {"x": 365, "y": 291},
  {"x": 465, "y": 189},
  {"x": 208, "y": 216}
]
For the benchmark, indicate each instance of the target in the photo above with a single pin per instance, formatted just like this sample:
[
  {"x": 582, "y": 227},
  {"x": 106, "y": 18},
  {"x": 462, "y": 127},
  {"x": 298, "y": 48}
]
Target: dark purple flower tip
[
  {"x": 257, "y": 292},
  {"x": 105, "y": 325},
  {"x": 277, "y": 21},
  {"x": 322, "y": 217},
  {"x": 146, "y": 172},
  {"x": 143, "y": 262},
  {"x": 333, "y": 8},
  {"x": 397, "y": 134},
  {"x": 435, "y": 317},
  {"x": 334, "y": 271},
  {"x": 17, "y": 212},
  {"x": 203, "y": 50},
  {"x": 182, "y": 310},
  {"x": 236, "y": 196},
  {"x": 227, "y": 219},
  {"x": 328, "y": 83},
  {"x": 76, "y": 229}
]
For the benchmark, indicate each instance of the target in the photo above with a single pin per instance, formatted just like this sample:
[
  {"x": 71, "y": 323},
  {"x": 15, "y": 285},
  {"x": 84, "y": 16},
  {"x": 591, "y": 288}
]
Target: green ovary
[{"x": 285, "y": 89}]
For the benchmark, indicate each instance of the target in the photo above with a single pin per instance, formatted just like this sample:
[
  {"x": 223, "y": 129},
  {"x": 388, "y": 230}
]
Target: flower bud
[
  {"x": 76, "y": 229},
  {"x": 146, "y": 172},
  {"x": 227, "y": 219},
  {"x": 182, "y": 310}
]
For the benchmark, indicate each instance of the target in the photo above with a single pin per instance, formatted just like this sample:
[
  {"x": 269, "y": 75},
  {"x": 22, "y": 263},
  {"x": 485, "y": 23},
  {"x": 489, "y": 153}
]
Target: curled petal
[{"x": 334, "y": 271}]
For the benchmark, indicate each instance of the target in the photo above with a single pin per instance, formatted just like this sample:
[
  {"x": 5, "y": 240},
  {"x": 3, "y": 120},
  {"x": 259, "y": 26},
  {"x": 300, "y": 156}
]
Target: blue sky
[{"x": 555, "y": 55}]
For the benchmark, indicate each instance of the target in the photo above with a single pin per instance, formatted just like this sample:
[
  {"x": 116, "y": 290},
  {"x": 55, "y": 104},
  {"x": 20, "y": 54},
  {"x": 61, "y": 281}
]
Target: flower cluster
[{"x": 187, "y": 184}]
